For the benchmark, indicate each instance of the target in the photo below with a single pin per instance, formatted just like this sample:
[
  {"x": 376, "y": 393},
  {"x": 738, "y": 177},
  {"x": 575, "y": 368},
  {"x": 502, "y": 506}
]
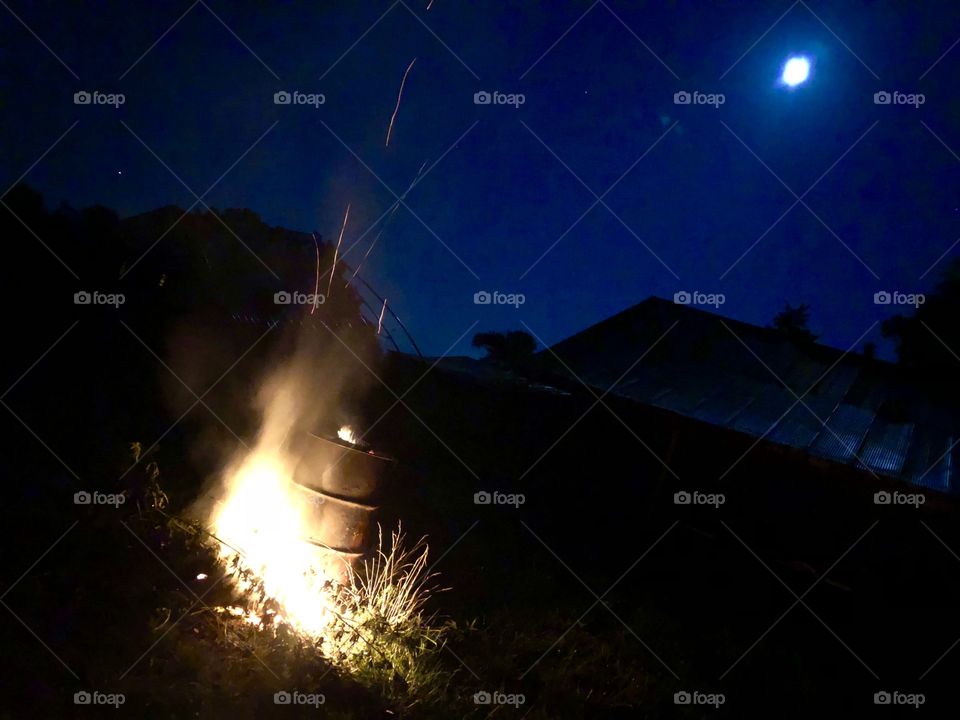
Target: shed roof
[{"x": 835, "y": 405}]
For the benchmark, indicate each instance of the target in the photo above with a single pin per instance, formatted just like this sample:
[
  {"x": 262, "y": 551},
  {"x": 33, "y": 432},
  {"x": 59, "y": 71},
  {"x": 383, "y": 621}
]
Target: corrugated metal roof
[
  {"x": 885, "y": 447},
  {"x": 799, "y": 428},
  {"x": 929, "y": 461},
  {"x": 843, "y": 433},
  {"x": 723, "y": 406},
  {"x": 730, "y": 374}
]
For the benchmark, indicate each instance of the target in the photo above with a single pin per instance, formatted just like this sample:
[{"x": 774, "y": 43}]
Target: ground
[{"x": 596, "y": 597}]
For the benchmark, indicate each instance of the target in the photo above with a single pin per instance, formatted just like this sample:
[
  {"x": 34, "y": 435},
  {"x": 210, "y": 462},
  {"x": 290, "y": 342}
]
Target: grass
[
  {"x": 392, "y": 643},
  {"x": 512, "y": 622},
  {"x": 381, "y": 636},
  {"x": 389, "y": 649}
]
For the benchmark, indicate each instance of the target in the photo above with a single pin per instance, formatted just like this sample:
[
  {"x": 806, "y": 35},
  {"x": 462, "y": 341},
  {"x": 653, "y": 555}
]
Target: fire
[
  {"x": 347, "y": 435},
  {"x": 262, "y": 524},
  {"x": 269, "y": 528}
]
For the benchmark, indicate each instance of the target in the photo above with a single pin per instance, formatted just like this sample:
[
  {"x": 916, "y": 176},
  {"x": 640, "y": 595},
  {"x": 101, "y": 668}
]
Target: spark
[
  {"x": 380, "y": 321},
  {"x": 316, "y": 283},
  {"x": 336, "y": 251},
  {"x": 430, "y": 4},
  {"x": 415, "y": 180},
  {"x": 399, "y": 96},
  {"x": 364, "y": 258}
]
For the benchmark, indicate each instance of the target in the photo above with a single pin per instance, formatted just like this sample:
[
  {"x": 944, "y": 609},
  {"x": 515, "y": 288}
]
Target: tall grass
[
  {"x": 395, "y": 583},
  {"x": 380, "y": 633}
]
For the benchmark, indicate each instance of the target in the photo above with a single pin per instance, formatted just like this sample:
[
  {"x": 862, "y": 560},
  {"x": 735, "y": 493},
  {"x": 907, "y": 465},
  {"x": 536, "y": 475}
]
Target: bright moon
[{"x": 796, "y": 71}]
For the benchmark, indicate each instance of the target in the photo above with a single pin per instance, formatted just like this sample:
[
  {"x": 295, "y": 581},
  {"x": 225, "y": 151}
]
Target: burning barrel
[{"x": 342, "y": 483}]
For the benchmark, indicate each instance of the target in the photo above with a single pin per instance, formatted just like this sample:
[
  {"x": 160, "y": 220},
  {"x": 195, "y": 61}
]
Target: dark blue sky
[{"x": 599, "y": 83}]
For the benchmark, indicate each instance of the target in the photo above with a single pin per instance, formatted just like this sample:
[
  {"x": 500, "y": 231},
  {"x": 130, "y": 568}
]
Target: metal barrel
[{"x": 343, "y": 485}]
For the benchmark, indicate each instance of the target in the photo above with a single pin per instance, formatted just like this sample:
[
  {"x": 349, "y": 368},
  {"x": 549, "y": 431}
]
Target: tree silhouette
[
  {"x": 794, "y": 323},
  {"x": 928, "y": 342}
]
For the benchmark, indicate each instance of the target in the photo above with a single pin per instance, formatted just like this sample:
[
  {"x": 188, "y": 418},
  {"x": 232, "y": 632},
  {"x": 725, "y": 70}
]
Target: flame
[
  {"x": 347, "y": 435},
  {"x": 263, "y": 520},
  {"x": 248, "y": 616},
  {"x": 262, "y": 523}
]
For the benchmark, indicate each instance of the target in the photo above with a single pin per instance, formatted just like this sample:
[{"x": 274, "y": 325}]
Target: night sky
[{"x": 508, "y": 205}]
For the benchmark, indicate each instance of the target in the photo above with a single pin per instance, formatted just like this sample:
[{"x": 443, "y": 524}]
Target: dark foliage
[
  {"x": 794, "y": 323},
  {"x": 928, "y": 342}
]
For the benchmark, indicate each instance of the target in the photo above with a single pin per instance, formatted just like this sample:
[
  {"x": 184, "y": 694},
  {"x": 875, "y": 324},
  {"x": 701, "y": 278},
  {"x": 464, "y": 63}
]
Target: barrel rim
[
  {"x": 356, "y": 554},
  {"x": 342, "y": 444},
  {"x": 337, "y": 498}
]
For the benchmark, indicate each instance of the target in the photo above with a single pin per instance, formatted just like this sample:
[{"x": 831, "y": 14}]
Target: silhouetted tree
[
  {"x": 794, "y": 323},
  {"x": 508, "y": 349},
  {"x": 928, "y": 342}
]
